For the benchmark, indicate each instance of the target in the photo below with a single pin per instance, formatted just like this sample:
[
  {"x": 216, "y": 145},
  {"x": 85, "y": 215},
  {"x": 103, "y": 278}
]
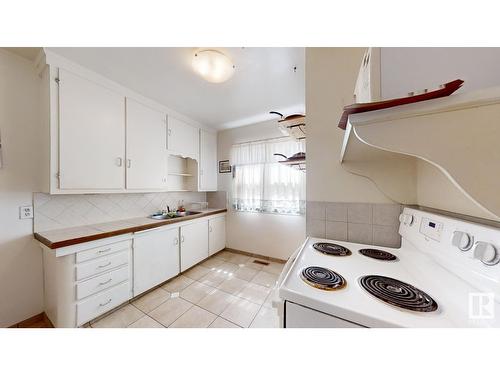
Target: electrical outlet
[{"x": 26, "y": 212}]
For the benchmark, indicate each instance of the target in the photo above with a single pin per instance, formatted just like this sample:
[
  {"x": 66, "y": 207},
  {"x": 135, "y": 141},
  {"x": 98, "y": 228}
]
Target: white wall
[
  {"x": 435, "y": 190},
  {"x": 21, "y": 280},
  {"x": 410, "y": 69},
  {"x": 265, "y": 234},
  {"x": 330, "y": 78}
]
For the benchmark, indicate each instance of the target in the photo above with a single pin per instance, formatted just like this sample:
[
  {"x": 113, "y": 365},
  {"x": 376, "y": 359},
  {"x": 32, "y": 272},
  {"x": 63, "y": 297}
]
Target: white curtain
[{"x": 261, "y": 184}]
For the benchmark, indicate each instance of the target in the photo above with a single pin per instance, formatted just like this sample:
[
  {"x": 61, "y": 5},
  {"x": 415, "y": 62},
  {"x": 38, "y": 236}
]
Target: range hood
[{"x": 458, "y": 134}]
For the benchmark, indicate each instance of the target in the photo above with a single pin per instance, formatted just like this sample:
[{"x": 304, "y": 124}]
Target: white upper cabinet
[
  {"x": 91, "y": 135},
  {"x": 102, "y": 137},
  {"x": 147, "y": 155},
  {"x": 183, "y": 139},
  {"x": 208, "y": 161}
]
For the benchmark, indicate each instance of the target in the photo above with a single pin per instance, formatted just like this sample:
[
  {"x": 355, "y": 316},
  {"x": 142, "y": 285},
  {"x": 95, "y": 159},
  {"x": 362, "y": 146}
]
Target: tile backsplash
[
  {"x": 367, "y": 223},
  {"x": 63, "y": 211},
  {"x": 217, "y": 199}
]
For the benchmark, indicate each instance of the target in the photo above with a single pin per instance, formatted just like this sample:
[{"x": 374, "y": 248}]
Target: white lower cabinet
[
  {"x": 216, "y": 235},
  {"x": 102, "y": 282},
  {"x": 156, "y": 258},
  {"x": 91, "y": 280},
  {"x": 100, "y": 303},
  {"x": 84, "y": 281},
  {"x": 194, "y": 243}
]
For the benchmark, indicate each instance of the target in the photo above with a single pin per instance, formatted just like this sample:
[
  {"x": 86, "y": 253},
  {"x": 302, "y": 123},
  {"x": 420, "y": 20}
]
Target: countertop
[{"x": 57, "y": 238}]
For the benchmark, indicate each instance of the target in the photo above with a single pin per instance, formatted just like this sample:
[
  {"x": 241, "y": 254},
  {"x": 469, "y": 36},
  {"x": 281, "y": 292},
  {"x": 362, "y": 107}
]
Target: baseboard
[
  {"x": 255, "y": 255},
  {"x": 37, "y": 321}
]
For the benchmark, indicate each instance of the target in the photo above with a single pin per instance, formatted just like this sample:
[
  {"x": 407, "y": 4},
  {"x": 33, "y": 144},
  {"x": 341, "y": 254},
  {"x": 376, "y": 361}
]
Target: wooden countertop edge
[{"x": 137, "y": 228}]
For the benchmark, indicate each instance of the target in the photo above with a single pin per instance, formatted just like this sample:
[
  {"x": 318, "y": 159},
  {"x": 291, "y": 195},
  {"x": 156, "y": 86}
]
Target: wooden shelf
[
  {"x": 296, "y": 164},
  {"x": 294, "y": 126},
  {"x": 458, "y": 135}
]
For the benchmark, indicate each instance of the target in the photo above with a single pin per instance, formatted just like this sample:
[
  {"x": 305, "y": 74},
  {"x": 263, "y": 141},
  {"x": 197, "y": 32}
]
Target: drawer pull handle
[
  {"x": 104, "y": 250},
  {"x": 104, "y": 265},
  {"x": 105, "y": 303},
  {"x": 105, "y": 282}
]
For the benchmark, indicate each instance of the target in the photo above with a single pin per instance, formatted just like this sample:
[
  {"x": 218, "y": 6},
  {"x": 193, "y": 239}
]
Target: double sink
[{"x": 173, "y": 215}]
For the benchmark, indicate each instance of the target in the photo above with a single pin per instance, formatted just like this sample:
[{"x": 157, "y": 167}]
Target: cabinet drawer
[
  {"x": 99, "y": 283},
  {"x": 102, "y": 264},
  {"x": 100, "y": 251},
  {"x": 102, "y": 302}
]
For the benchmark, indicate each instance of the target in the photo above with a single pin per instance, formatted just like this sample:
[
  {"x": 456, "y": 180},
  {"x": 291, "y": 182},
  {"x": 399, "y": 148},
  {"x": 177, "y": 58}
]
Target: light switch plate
[{"x": 26, "y": 212}]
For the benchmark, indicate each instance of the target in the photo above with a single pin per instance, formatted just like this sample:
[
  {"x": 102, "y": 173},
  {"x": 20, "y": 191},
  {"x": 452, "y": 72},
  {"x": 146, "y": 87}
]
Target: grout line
[
  {"x": 261, "y": 305},
  {"x": 258, "y": 311},
  {"x": 137, "y": 319}
]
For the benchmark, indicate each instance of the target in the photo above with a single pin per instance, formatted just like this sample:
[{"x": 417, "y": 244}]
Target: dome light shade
[{"x": 213, "y": 66}]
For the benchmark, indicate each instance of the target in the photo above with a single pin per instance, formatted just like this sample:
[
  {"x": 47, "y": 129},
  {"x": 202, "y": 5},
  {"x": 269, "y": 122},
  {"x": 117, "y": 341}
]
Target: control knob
[
  {"x": 486, "y": 253},
  {"x": 406, "y": 219},
  {"x": 462, "y": 240}
]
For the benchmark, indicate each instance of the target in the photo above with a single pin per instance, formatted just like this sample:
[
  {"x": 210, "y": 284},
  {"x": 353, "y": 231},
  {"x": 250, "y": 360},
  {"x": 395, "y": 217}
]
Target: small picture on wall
[{"x": 224, "y": 166}]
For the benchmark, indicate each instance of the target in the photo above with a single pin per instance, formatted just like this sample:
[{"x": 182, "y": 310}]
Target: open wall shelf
[
  {"x": 459, "y": 135},
  {"x": 182, "y": 174}
]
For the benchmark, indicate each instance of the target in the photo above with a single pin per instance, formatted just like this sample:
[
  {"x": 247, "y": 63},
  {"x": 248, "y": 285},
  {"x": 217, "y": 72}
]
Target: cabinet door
[
  {"x": 216, "y": 235},
  {"x": 183, "y": 139},
  {"x": 146, "y": 147},
  {"x": 156, "y": 258},
  {"x": 91, "y": 135},
  {"x": 194, "y": 244},
  {"x": 208, "y": 161}
]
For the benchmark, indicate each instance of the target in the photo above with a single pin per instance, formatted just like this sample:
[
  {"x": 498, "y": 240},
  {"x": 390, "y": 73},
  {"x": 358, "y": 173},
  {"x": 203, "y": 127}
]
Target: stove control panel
[{"x": 431, "y": 228}]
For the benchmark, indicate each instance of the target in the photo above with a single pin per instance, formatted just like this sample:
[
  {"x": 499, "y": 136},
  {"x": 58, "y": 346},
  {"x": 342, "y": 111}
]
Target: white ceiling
[{"x": 264, "y": 80}]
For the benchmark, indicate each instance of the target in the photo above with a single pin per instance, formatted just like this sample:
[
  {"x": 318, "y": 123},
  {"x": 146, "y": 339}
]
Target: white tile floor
[{"x": 227, "y": 290}]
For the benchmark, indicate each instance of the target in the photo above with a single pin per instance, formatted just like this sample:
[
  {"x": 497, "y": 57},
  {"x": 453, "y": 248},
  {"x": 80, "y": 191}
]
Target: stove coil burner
[
  {"x": 332, "y": 249},
  {"x": 322, "y": 278},
  {"x": 398, "y": 293},
  {"x": 378, "y": 254}
]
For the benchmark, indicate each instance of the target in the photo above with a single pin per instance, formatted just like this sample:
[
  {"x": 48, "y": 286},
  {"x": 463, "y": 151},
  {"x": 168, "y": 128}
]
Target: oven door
[{"x": 298, "y": 316}]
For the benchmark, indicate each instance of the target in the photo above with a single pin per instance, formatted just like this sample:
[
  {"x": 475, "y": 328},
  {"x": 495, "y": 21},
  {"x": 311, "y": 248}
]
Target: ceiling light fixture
[{"x": 213, "y": 66}]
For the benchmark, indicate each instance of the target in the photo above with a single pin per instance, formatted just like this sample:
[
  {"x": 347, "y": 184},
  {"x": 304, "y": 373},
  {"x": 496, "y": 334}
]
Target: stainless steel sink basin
[{"x": 167, "y": 217}]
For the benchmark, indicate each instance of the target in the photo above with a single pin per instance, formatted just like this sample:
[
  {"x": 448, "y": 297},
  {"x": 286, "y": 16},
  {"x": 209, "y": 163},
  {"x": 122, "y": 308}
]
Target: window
[{"x": 261, "y": 184}]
